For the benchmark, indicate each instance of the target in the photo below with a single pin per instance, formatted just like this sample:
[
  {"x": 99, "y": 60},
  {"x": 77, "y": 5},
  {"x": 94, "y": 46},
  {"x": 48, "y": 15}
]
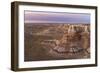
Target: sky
[{"x": 56, "y": 17}]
